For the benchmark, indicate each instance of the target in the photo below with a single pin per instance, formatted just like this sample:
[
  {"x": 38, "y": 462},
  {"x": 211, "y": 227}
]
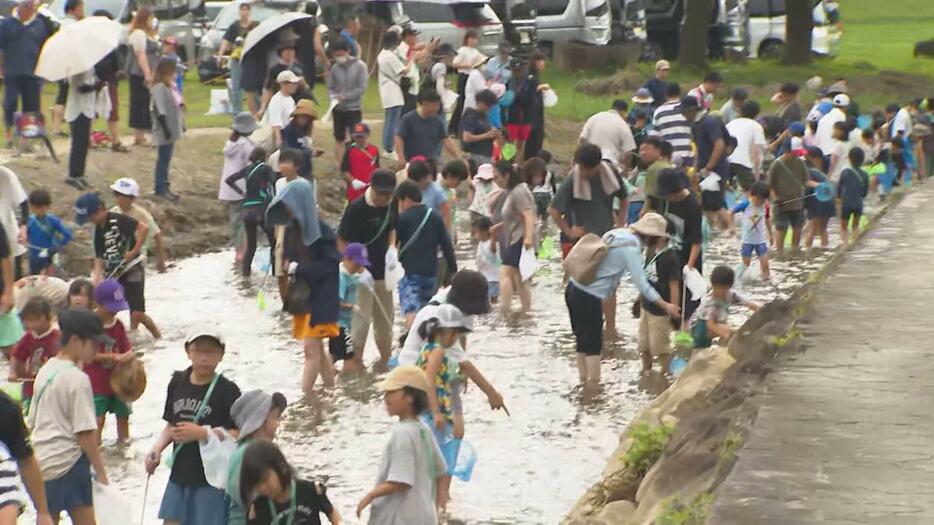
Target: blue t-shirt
[
  {"x": 347, "y": 290},
  {"x": 46, "y": 234},
  {"x": 350, "y": 40},
  {"x": 434, "y": 196}
]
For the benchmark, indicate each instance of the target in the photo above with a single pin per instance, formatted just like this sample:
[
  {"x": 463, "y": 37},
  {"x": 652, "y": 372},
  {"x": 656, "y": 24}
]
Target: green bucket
[{"x": 684, "y": 342}]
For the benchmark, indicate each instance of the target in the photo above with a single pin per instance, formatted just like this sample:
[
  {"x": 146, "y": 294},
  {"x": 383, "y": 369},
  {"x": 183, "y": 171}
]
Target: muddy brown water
[{"x": 531, "y": 467}]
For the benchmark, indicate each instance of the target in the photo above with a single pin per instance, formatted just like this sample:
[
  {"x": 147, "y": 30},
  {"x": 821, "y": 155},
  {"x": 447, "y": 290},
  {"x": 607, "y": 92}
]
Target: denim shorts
[
  {"x": 748, "y": 249},
  {"x": 202, "y": 505},
  {"x": 415, "y": 291},
  {"x": 493, "y": 290},
  {"x": 71, "y": 491}
]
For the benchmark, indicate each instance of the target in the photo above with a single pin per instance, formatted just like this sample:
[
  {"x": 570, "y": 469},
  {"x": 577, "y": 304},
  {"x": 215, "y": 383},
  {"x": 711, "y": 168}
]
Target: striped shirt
[
  {"x": 671, "y": 126},
  {"x": 11, "y": 492}
]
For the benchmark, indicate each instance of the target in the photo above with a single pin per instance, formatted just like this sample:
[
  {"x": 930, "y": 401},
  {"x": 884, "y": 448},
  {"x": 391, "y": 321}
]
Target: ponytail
[{"x": 429, "y": 329}]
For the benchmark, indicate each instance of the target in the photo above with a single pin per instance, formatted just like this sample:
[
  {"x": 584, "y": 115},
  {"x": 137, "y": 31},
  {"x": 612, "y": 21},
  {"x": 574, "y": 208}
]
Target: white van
[
  {"x": 443, "y": 19},
  {"x": 560, "y": 21},
  {"x": 767, "y": 29}
]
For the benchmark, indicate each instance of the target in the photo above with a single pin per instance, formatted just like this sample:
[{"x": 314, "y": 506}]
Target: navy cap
[
  {"x": 688, "y": 102},
  {"x": 87, "y": 205},
  {"x": 82, "y": 323}
]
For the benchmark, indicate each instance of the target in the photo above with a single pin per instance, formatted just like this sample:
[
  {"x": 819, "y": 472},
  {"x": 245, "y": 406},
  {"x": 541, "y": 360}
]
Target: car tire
[{"x": 771, "y": 49}]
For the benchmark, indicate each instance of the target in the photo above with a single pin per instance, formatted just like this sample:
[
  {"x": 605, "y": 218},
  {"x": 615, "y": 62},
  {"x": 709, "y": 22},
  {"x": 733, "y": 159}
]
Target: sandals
[{"x": 119, "y": 148}]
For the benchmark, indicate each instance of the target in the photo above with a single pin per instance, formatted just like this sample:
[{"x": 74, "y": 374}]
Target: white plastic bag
[
  {"x": 393, "y": 268},
  {"x": 215, "y": 455},
  {"x": 330, "y": 112},
  {"x": 710, "y": 183},
  {"x": 527, "y": 263},
  {"x": 220, "y": 102},
  {"x": 110, "y": 507},
  {"x": 449, "y": 100},
  {"x": 549, "y": 98},
  {"x": 695, "y": 282}
]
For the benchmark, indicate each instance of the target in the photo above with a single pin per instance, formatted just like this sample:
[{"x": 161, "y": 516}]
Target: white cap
[
  {"x": 287, "y": 76},
  {"x": 449, "y": 316},
  {"x": 126, "y": 186},
  {"x": 485, "y": 172},
  {"x": 216, "y": 336},
  {"x": 841, "y": 100}
]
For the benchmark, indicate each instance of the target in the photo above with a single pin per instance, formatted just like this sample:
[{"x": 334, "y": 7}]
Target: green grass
[{"x": 877, "y": 36}]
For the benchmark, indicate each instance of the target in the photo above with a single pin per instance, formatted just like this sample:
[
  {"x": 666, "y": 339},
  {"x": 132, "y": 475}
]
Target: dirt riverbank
[{"x": 679, "y": 450}]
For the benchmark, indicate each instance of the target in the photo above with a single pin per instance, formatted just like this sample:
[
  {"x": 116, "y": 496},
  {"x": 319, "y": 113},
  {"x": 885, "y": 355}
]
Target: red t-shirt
[
  {"x": 99, "y": 371},
  {"x": 360, "y": 163},
  {"x": 34, "y": 350}
]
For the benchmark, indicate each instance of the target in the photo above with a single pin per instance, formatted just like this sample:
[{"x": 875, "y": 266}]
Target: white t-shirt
[
  {"x": 413, "y": 343},
  {"x": 12, "y": 195},
  {"x": 841, "y": 150},
  {"x": 391, "y": 66},
  {"x": 901, "y": 123},
  {"x": 488, "y": 261},
  {"x": 406, "y": 460},
  {"x": 823, "y": 137},
  {"x": 476, "y": 82},
  {"x": 280, "y": 110},
  {"x": 137, "y": 40},
  {"x": 609, "y": 131},
  {"x": 748, "y": 133},
  {"x": 62, "y": 407},
  {"x": 754, "y": 225}
]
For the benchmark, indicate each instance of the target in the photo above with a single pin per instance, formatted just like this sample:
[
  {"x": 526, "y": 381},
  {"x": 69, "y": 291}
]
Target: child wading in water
[
  {"x": 38, "y": 345},
  {"x": 852, "y": 189},
  {"x": 81, "y": 294},
  {"x": 712, "y": 316},
  {"x": 488, "y": 261},
  {"x": 757, "y": 227},
  {"x": 354, "y": 263},
  {"x": 197, "y": 399},
  {"x": 276, "y": 495},
  {"x": 412, "y": 481},
  {"x": 110, "y": 300},
  {"x": 260, "y": 186}
]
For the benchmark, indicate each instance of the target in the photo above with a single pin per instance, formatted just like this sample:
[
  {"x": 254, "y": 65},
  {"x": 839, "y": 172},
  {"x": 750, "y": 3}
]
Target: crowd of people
[{"x": 649, "y": 182}]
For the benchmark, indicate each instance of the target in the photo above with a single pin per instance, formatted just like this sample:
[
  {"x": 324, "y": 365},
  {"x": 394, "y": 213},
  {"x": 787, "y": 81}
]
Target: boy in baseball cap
[
  {"x": 110, "y": 300},
  {"x": 354, "y": 263},
  {"x": 360, "y": 160}
]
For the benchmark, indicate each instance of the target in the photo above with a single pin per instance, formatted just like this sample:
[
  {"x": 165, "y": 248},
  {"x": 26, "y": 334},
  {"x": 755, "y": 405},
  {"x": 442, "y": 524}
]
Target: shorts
[
  {"x": 341, "y": 347},
  {"x": 62, "y": 98},
  {"x": 415, "y": 291},
  {"x": 748, "y": 249},
  {"x": 493, "y": 289},
  {"x": 846, "y": 213},
  {"x": 713, "y": 200},
  {"x": 586, "y": 312},
  {"x": 785, "y": 219},
  {"x": 112, "y": 404},
  {"x": 134, "y": 288},
  {"x": 204, "y": 505},
  {"x": 39, "y": 264},
  {"x": 632, "y": 213},
  {"x": 344, "y": 121},
  {"x": 11, "y": 328},
  {"x": 542, "y": 201},
  {"x": 519, "y": 131},
  {"x": 303, "y": 329},
  {"x": 743, "y": 176},
  {"x": 699, "y": 334},
  {"x": 512, "y": 254},
  {"x": 654, "y": 334},
  {"x": 71, "y": 491}
]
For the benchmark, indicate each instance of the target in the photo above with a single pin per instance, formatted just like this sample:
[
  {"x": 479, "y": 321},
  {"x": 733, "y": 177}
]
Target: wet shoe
[{"x": 74, "y": 183}]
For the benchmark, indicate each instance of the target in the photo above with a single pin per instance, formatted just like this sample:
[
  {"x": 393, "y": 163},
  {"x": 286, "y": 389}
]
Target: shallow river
[{"x": 531, "y": 467}]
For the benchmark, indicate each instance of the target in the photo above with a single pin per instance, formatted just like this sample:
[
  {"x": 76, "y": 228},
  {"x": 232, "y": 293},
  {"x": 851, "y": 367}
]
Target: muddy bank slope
[{"x": 679, "y": 450}]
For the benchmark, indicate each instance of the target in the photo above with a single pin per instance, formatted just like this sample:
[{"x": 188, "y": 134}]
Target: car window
[
  {"x": 549, "y": 7},
  {"x": 758, "y": 8},
  {"x": 659, "y": 6},
  {"x": 474, "y": 14},
  {"x": 230, "y": 14},
  {"x": 428, "y": 12},
  {"x": 113, "y": 7},
  {"x": 778, "y": 7}
]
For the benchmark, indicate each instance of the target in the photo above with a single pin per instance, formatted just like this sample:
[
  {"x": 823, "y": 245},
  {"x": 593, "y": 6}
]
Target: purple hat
[
  {"x": 109, "y": 294},
  {"x": 357, "y": 253}
]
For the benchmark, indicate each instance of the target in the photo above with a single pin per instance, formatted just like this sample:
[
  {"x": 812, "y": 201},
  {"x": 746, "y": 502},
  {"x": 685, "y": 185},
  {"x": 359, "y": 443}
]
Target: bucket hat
[
  {"x": 244, "y": 123},
  {"x": 651, "y": 224}
]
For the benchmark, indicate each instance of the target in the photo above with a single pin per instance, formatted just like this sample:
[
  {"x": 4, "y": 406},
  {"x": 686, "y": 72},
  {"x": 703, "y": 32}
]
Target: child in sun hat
[
  {"x": 483, "y": 186},
  {"x": 198, "y": 400},
  {"x": 354, "y": 262},
  {"x": 110, "y": 300},
  {"x": 410, "y": 484}
]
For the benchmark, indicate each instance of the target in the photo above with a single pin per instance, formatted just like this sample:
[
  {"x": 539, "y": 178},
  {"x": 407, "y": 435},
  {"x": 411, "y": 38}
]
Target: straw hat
[
  {"x": 305, "y": 107},
  {"x": 652, "y": 225},
  {"x": 129, "y": 380}
]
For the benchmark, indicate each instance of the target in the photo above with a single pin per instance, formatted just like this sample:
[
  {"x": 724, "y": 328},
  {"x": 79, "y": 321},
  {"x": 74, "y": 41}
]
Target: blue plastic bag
[{"x": 459, "y": 455}]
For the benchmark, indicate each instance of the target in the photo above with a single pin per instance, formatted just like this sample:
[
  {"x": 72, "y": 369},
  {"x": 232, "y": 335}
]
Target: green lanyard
[
  {"x": 202, "y": 408},
  {"x": 48, "y": 383},
  {"x": 293, "y": 503},
  {"x": 657, "y": 255}
]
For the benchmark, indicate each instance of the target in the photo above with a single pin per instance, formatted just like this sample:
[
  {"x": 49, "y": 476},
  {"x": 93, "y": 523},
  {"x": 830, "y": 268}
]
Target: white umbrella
[
  {"x": 77, "y": 47},
  {"x": 270, "y": 26}
]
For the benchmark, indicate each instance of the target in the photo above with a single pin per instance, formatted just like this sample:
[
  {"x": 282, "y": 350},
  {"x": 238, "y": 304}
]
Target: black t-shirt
[
  {"x": 706, "y": 132},
  {"x": 181, "y": 402},
  {"x": 113, "y": 239},
  {"x": 360, "y": 223},
  {"x": 4, "y": 252},
  {"x": 666, "y": 267},
  {"x": 477, "y": 123},
  {"x": 684, "y": 223},
  {"x": 236, "y": 31},
  {"x": 421, "y": 136},
  {"x": 310, "y": 502},
  {"x": 13, "y": 433}
]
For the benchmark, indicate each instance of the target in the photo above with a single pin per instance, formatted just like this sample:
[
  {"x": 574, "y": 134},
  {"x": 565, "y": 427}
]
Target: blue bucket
[
  {"x": 459, "y": 455},
  {"x": 677, "y": 366}
]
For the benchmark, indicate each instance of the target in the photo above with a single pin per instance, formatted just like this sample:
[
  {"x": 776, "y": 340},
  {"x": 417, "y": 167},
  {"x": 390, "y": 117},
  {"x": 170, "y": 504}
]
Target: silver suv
[{"x": 444, "y": 20}]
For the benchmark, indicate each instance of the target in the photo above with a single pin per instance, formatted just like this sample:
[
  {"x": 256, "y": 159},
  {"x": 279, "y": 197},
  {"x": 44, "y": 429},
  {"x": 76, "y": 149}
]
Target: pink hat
[
  {"x": 485, "y": 172},
  {"x": 498, "y": 89}
]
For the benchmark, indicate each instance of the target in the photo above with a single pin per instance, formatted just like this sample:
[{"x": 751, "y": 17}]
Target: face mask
[{"x": 342, "y": 59}]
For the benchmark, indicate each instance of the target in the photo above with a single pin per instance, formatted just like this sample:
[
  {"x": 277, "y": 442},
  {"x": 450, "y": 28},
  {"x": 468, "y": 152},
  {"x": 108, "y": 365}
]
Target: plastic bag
[
  {"x": 215, "y": 455},
  {"x": 110, "y": 507},
  {"x": 330, "y": 111},
  {"x": 710, "y": 183},
  {"x": 527, "y": 264},
  {"x": 220, "y": 102},
  {"x": 695, "y": 282},
  {"x": 549, "y": 98},
  {"x": 393, "y": 269}
]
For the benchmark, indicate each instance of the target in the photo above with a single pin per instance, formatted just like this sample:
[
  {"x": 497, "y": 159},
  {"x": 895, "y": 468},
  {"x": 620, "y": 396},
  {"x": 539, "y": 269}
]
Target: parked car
[
  {"x": 728, "y": 27},
  {"x": 628, "y": 21},
  {"x": 174, "y": 18},
  {"x": 560, "y": 21},
  {"x": 211, "y": 41},
  {"x": 767, "y": 29},
  {"x": 443, "y": 19}
]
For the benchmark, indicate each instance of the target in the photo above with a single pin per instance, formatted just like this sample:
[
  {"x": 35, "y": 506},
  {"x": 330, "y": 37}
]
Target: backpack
[{"x": 588, "y": 253}]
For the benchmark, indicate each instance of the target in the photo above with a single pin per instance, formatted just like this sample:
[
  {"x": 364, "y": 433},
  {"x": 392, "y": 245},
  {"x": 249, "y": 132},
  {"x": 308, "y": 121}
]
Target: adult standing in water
[
  {"x": 518, "y": 226},
  {"x": 312, "y": 298},
  {"x": 370, "y": 221},
  {"x": 142, "y": 59}
]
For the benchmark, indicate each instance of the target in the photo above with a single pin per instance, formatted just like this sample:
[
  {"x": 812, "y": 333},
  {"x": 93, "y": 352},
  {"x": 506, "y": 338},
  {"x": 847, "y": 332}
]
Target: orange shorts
[{"x": 302, "y": 329}]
